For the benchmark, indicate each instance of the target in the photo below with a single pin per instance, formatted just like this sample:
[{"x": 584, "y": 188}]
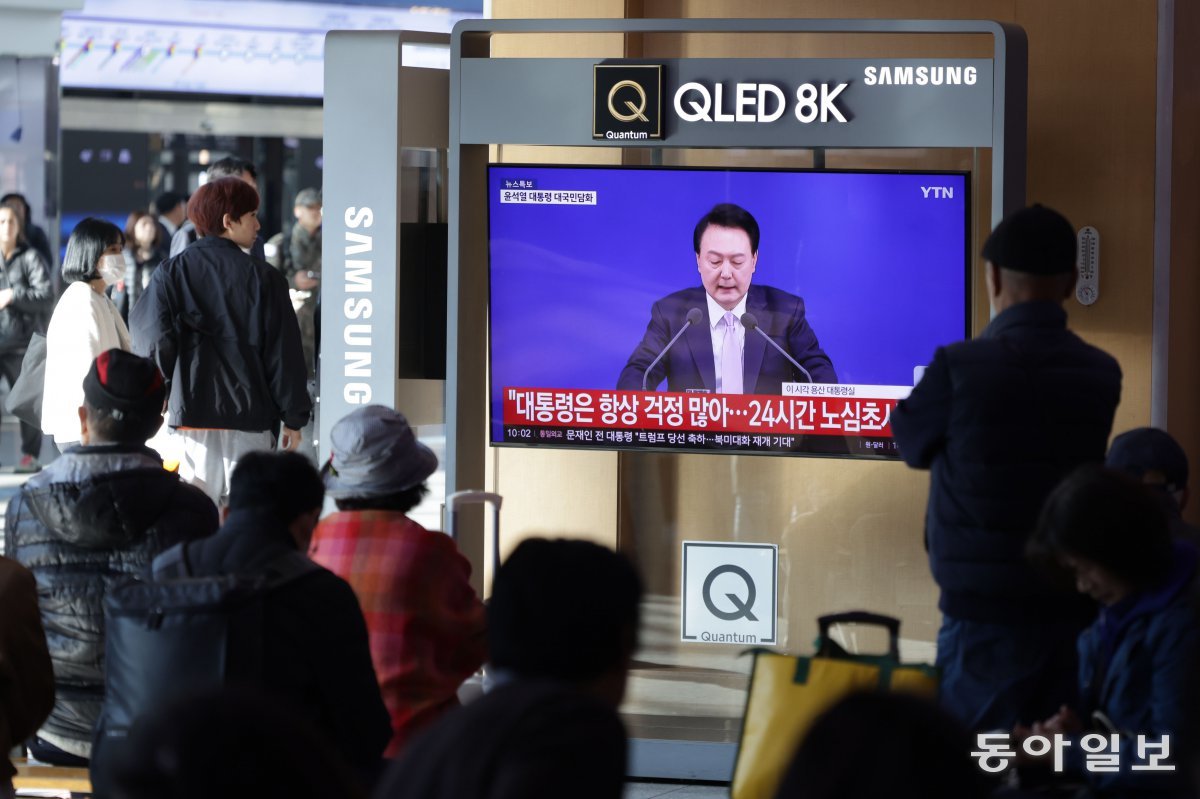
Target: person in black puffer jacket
[
  {"x": 93, "y": 518},
  {"x": 25, "y": 302},
  {"x": 35, "y": 236}
]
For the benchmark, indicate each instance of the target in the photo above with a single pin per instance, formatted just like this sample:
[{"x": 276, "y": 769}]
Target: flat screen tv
[{"x": 718, "y": 310}]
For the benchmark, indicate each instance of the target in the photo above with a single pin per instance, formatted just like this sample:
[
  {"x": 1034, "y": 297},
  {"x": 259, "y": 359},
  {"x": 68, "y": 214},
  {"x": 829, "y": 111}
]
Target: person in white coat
[{"x": 85, "y": 323}]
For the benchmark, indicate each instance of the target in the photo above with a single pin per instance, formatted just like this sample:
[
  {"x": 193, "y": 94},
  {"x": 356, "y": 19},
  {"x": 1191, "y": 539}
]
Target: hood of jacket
[{"x": 101, "y": 497}]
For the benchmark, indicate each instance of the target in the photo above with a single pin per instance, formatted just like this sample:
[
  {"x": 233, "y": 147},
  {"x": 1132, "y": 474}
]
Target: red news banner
[{"x": 738, "y": 421}]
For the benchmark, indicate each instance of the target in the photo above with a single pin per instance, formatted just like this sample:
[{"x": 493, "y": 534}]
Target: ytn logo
[
  {"x": 938, "y": 192},
  {"x": 627, "y": 101}
]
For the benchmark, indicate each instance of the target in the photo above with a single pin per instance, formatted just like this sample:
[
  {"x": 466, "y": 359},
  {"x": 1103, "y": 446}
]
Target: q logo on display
[
  {"x": 742, "y": 607},
  {"x": 729, "y": 593},
  {"x": 638, "y": 111},
  {"x": 626, "y": 101}
]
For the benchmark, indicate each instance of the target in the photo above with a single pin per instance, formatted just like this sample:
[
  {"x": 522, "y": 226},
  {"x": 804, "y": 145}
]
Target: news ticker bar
[
  {"x": 621, "y": 438},
  {"x": 675, "y": 412}
]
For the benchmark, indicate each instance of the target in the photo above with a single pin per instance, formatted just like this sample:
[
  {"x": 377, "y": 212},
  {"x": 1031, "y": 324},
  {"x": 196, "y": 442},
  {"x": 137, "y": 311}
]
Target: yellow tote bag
[{"x": 788, "y": 693}]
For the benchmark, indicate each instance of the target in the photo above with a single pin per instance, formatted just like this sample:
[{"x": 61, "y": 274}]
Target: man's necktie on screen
[{"x": 731, "y": 357}]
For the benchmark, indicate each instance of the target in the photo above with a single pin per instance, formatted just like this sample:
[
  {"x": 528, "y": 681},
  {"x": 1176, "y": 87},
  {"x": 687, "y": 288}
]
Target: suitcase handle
[
  {"x": 891, "y": 623},
  {"x": 477, "y": 498}
]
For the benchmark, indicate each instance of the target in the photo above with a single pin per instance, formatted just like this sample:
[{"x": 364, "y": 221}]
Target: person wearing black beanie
[
  {"x": 95, "y": 516},
  {"x": 999, "y": 420}
]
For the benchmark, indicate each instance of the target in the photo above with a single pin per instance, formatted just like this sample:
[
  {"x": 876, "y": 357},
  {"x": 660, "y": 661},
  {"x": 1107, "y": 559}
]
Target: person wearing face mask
[
  {"x": 999, "y": 420},
  {"x": 220, "y": 325},
  {"x": 25, "y": 299},
  {"x": 85, "y": 323}
]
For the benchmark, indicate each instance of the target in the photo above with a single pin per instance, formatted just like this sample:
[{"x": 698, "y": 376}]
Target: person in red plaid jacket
[{"x": 425, "y": 622}]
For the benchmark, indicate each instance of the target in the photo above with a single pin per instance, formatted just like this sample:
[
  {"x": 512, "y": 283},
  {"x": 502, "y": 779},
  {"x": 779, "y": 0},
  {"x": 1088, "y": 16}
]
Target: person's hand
[
  {"x": 304, "y": 282},
  {"x": 6, "y": 298},
  {"x": 1019, "y": 734},
  {"x": 289, "y": 440},
  {"x": 1064, "y": 722}
]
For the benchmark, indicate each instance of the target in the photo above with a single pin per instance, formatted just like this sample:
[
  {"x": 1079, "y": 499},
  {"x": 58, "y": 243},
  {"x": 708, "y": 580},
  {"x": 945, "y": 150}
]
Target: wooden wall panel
[{"x": 526, "y": 45}]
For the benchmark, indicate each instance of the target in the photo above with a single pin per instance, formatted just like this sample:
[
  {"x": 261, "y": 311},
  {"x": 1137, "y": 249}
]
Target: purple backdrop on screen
[{"x": 879, "y": 260}]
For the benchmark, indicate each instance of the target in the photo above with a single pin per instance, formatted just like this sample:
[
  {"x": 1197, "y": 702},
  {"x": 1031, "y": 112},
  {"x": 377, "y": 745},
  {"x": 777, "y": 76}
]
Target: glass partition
[{"x": 850, "y": 534}]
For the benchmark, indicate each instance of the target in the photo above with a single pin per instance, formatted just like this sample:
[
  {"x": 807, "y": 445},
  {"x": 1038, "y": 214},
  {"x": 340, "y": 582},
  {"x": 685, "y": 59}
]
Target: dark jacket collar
[
  {"x": 1039, "y": 313},
  {"x": 115, "y": 449},
  {"x": 215, "y": 242},
  {"x": 1113, "y": 621},
  {"x": 247, "y": 543},
  {"x": 258, "y": 523},
  {"x": 17, "y": 252}
]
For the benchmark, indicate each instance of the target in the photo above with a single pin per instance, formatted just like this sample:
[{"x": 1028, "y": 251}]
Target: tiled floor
[{"x": 654, "y": 790}]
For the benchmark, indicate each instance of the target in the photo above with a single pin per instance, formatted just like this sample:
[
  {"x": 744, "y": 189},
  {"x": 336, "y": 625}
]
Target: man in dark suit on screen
[{"x": 719, "y": 350}]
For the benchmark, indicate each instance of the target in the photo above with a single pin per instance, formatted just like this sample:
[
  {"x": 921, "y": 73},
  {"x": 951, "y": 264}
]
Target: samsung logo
[
  {"x": 920, "y": 76},
  {"x": 358, "y": 332}
]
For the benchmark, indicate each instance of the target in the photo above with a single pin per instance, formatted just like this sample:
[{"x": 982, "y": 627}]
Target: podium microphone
[
  {"x": 694, "y": 317},
  {"x": 750, "y": 322}
]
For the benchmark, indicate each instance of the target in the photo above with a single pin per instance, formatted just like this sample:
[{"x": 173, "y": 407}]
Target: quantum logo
[
  {"x": 627, "y": 101},
  {"x": 636, "y": 111}
]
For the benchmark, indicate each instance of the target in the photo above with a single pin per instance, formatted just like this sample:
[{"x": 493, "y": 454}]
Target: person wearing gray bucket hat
[
  {"x": 425, "y": 622},
  {"x": 374, "y": 453}
]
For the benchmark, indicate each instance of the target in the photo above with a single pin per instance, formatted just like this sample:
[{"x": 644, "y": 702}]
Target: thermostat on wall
[{"x": 1087, "y": 263}]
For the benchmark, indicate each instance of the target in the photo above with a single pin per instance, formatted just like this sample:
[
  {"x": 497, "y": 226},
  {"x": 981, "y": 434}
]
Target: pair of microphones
[{"x": 694, "y": 317}]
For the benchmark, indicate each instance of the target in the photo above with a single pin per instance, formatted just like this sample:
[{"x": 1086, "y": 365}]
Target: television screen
[{"x": 746, "y": 311}]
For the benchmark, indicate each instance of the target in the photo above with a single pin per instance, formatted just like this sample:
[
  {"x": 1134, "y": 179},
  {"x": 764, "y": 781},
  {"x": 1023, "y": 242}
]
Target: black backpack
[{"x": 176, "y": 634}]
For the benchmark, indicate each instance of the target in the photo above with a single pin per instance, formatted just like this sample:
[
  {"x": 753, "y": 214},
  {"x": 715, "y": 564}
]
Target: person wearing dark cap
[
  {"x": 549, "y": 727},
  {"x": 303, "y": 269},
  {"x": 425, "y": 621},
  {"x": 1154, "y": 457},
  {"x": 315, "y": 641},
  {"x": 95, "y": 516},
  {"x": 1000, "y": 420},
  {"x": 304, "y": 263}
]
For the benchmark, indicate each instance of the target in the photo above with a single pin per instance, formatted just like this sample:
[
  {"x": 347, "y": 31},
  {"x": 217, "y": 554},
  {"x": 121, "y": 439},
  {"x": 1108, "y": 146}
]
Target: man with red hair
[{"x": 220, "y": 325}]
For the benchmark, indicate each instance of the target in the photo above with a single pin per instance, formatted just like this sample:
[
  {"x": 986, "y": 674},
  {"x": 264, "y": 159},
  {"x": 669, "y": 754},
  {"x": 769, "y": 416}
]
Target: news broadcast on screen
[{"x": 718, "y": 310}]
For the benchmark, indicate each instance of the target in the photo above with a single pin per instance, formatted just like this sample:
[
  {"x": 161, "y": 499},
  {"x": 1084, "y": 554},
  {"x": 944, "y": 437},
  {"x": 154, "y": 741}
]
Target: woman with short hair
[
  {"x": 85, "y": 324},
  {"x": 25, "y": 299},
  {"x": 1137, "y": 662}
]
